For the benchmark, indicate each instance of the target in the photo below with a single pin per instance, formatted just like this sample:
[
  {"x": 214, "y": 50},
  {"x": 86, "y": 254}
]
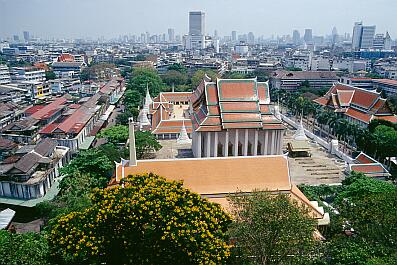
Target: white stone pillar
[
  {"x": 208, "y": 149},
  {"x": 198, "y": 152},
  {"x": 236, "y": 143},
  {"x": 216, "y": 144},
  {"x": 273, "y": 142},
  {"x": 280, "y": 141},
  {"x": 256, "y": 143},
  {"x": 266, "y": 144},
  {"x": 226, "y": 154},
  {"x": 246, "y": 142}
]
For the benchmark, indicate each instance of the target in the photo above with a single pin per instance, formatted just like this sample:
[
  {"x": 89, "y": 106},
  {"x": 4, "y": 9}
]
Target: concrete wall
[{"x": 331, "y": 147}]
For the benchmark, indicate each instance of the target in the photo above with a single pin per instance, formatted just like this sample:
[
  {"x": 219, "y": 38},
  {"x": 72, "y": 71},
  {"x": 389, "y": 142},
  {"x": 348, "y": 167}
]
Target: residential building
[
  {"x": 5, "y": 77},
  {"x": 296, "y": 37},
  {"x": 30, "y": 74},
  {"x": 308, "y": 37},
  {"x": 357, "y": 105},
  {"x": 32, "y": 171},
  {"x": 67, "y": 69},
  {"x": 292, "y": 80}
]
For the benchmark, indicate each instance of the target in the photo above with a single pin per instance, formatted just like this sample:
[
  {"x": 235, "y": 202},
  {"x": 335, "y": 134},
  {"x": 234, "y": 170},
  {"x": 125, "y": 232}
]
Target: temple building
[
  {"x": 216, "y": 177},
  {"x": 357, "y": 105},
  {"x": 232, "y": 117},
  {"x": 166, "y": 114}
]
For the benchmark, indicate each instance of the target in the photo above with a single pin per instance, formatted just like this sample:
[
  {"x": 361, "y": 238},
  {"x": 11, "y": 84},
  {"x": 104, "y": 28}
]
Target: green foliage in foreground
[
  {"x": 147, "y": 221},
  {"x": 23, "y": 249},
  {"x": 271, "y": 229}
]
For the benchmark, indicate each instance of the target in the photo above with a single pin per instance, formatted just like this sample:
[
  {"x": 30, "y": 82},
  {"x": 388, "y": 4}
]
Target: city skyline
[{"x": 131, "y": 18}]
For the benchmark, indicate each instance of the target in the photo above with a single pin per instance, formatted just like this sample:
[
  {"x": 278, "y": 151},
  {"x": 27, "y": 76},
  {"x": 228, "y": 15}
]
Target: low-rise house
[
  {"x": 7, "y": 148},
  {"x": 32, "y": 172}
]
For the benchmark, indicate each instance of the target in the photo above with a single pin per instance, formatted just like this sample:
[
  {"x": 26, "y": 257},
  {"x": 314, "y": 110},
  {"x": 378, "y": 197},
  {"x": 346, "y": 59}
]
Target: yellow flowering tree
[{"x": 148, "y": 220}]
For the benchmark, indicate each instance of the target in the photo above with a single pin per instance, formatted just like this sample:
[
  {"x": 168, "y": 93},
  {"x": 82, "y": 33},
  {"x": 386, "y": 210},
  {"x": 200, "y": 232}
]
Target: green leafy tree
[
  {"x": 199, "y": 75},
  {"x": 50, "y": 75},
  {"x": 132, "y": 98},
  {"x": 113, "y": 152},
  {"x": 93, "y": 162},
  {"x": 173, "y": 77},
  {"x": 116, "y": 134},
  {"x": 147, "y": 221},
  {"x": 271, "y": 229},
  {"x": 177, "y": 67},
  {"x": 23, "y": 249},
  {"x": 145, "y": 143},
  {"x": 142, "y": 77}
]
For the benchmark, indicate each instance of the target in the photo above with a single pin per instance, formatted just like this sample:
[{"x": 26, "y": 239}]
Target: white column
[
  {"x": 236, "y": 143},
  {"x": 246, "y": 142},
  {"x": 208, "y": 151},
  {"x": 216, "y": 144},
  {"x": 256, "y": 143},
  {"x": 266, "y": 144},
  {"x": 226, "y": 144},
  {"x": 198, "y": 145},
  {"x": 273, "y": 142},
  {"x": 280, "y": 143}
]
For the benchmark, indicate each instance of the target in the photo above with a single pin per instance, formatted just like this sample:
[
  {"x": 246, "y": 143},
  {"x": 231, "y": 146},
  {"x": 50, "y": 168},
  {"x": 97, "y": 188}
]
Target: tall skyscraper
[
  {"x": 296, "y": 37},
  {"x": 171, "y": 35},
  {"x": 196, "y": 23},
  {"x": 363, "y": 36},
  {"x": 251, "y": 38},
  {"x": 234, "y": 36},
  {"x": 26, "y": 35},
  {"x": 196, "y": 36},
  {"x": 308, "y": 37}
]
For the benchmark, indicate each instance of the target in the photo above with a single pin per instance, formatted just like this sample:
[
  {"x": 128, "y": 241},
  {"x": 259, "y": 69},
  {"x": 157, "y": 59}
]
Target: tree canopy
[
  {"x": 23, "y": 249},
  {"x": 142, "y": 77},
  {"x": 271, "y": 229},
  {"x": 173, "y": 77},
  {"x": 117, "y": 134},
  {"x": 145, "y": 142},
  {"x": 199, "y": 75},
  {"x": 147, "y": 221}
]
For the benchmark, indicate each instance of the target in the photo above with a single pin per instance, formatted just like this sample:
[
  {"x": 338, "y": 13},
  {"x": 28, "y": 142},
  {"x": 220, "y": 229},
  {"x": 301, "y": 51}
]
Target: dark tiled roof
[
  {"x": 27, "y": 162},
  {"x": 45, "y": 147}
]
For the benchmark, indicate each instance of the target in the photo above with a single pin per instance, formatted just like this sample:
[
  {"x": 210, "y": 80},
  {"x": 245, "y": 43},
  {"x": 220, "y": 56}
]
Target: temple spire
[
  {"x": 131, "y": 132},
  {"x": 300, "y": 132},
  {"x": 183, "y": 136}
]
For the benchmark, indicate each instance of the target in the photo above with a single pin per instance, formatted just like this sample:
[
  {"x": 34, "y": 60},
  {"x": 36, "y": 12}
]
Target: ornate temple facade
[
  {"x": 232, "y": 117},
  {"x": 166, "y": 115}
]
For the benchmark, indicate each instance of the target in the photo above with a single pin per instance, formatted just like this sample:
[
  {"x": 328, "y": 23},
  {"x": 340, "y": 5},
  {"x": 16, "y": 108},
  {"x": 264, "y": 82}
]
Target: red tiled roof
[
  {"x": 233, "y": 102},
  {"x": 364, "y": 98},
  {"x": 33, "y": 109},
  {"x": 364, "y": 159},
  {"x": 368, "y": 168},
  {"x": 48, "y": 109},
  {"x": 322, "y": 101},
  {"x": 391, "y": 118},
  {"x": 345, "y": 97},
  {"x": 358, "y": 115},
  {"x": 172, "y": 126},
  {"x": 386, "y": 81}
]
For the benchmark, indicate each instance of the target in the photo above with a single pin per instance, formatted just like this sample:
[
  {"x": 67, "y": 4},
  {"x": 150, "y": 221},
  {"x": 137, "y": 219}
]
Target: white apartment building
[
  {"x": 27, "y": 74},
  {"x": 5, "y": 77}
]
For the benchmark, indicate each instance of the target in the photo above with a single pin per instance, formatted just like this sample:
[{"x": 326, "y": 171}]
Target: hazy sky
[{"x": 111, "y": 18}]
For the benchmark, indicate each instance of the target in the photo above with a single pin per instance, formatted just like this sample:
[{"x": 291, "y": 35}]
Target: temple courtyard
[{"x": 320, "y": 168}]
